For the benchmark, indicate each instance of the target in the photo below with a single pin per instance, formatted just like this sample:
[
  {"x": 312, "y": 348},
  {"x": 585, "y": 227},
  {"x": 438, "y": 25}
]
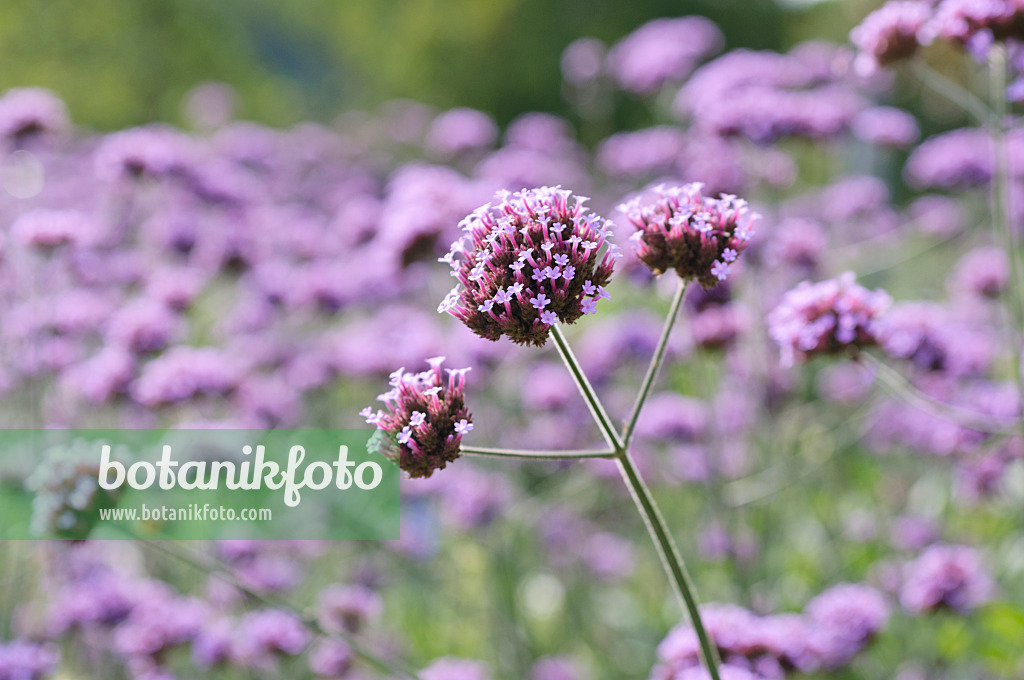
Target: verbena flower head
[
  {"x": 68, "y": 500},
  {"x": 889, "y": 34},
  {"x": 952, "y": 576},
  {"x": 826, "y": 318},
  {"x": 534, "y": 258},
  {"x": 23, "y": 660},
  {"x": 697, "y": 236},
  {"x": 31, "y": 111},
  {"x": 425, "y": 421},
  {"x": 975, "y": 25}
]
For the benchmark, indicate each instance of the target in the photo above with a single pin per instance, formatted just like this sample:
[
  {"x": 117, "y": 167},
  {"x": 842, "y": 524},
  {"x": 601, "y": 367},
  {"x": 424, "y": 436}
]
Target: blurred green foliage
[{"x": 124, "y": 62}]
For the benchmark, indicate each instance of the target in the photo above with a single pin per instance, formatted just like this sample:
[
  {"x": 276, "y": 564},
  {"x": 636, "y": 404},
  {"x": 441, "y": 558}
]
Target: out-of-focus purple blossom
[
  {"x": 459, "y": 131},
  {"x": 450, "y": 668},
  {"x": 886, "y": 126},
  {"x": 425, "y": 421},
  {"x": 849, "y": 615},
  {"x": 826, "y": 318},
  {"x": 697, "y": 236},
  {"x": 143, "y": 325},
  {"x": 46, "y": 229},
  {"x": 537, "y": 258},
  {"x": 643, "y": 154},
  {"x": 662, "y": 51},
  {"x": 852, "y": 197},
  {"x": 716, "y": 543},
  {"x": 890, "y": 34},
  {"x": 472, "y": 498},
  {"x": 548, "y": 386},
  {"x": 765, "y": 96},
  {"x": 951, "y": 576},
  {"x": 937, "y": 215},
  {"x": 836, "y": 625},
  {"x": 159, "y": 624},
  {"x": 583, "y": 61},
  {"x": 608, "y": 556},
  {"x": 556, "y": 668},
  {"x": 912, "y": 532},
  {"x": 630, "y": 337},
  {"x": 102, "y": 376},
  {"x": 31, "y": 112},
  {"x": 422, "y": 204},
  {"x": 518, "y": 166},
  {"x": 264, "y": 634},
  {"x": 182, "y": 373},
  {"x": 796, "y": 241},
  {"x": 726, "y": 671},
  {"x": 980, "y": 478},
  {"x": 212, "y": 643},
  {"x": 975, "y": 24},
  {"x": 544, "y": 132},
  {"x": 983, "y": 272},
  {"x": 718, "y": 327},
  {"x": 672, "y": 417},
  {"x": 22, "y": 660},
  {"x": 101, "y": 598},
  {"x": 331, "y": 659},
  {"x": 951, "y": 160},
  {"x": 347, "y": 609},
  {"x": 930, "y": 337},
  {"x": 67, "y": 499},
  {"x": 155, "y": 151},
  {"x": 176, "y": 287}
]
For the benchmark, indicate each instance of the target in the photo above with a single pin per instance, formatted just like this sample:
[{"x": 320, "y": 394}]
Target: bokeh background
[
  {"x": 281, "y": 271},
  {"x": 121, "y": 62}
]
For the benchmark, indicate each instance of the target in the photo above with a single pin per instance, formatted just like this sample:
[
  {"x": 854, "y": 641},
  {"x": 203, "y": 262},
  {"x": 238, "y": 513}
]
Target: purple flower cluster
[
  {"x": 426, "y": 418},
  {"x": 67, "y": 498},
  {"x": 536, "y": 258},
  {"x": 765, "y": 96},
  {"x": 697, "y": 236},
  {"x": 460, "y": 131},
  {"x": 347, "y": 609},
  {"x": 889, "y": 34},
  {"x": 899, "y": 28},
  {"x": 21, "y": 660},
  {"x": 826, "y": 318},
  {"x": 934, "y": 339},
  {"x": 31, "y": 112},
  {"x": 662, "y": 51},
  {"x": 834, "y": 627},
  {"x": 946, "y": 576}
]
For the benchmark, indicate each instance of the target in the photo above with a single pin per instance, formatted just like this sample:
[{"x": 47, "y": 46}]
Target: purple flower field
[{"x": 737, "y": 395}]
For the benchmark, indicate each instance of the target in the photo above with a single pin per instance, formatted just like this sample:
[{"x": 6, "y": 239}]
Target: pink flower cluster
[
  {"x": 697, "y": 236},
  {"x": 537, "y": 258},
  {"x": 826, "y": 318},
  {"x": 896, "y": 30},
  {"x": 426, "y": 418}
]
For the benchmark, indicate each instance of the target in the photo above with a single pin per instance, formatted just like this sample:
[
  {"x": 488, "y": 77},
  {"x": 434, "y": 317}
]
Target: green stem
[
  {"x": 656, "y": 527},
  {"x": 611, "y": 435},
  {"x": 541, "y": 455},
  {"x": 1001, "y": 209},
  {"x": 670, "y": 557},
  {"x": 952, "y": 91},
  {"x": 656, "y": 361}
]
